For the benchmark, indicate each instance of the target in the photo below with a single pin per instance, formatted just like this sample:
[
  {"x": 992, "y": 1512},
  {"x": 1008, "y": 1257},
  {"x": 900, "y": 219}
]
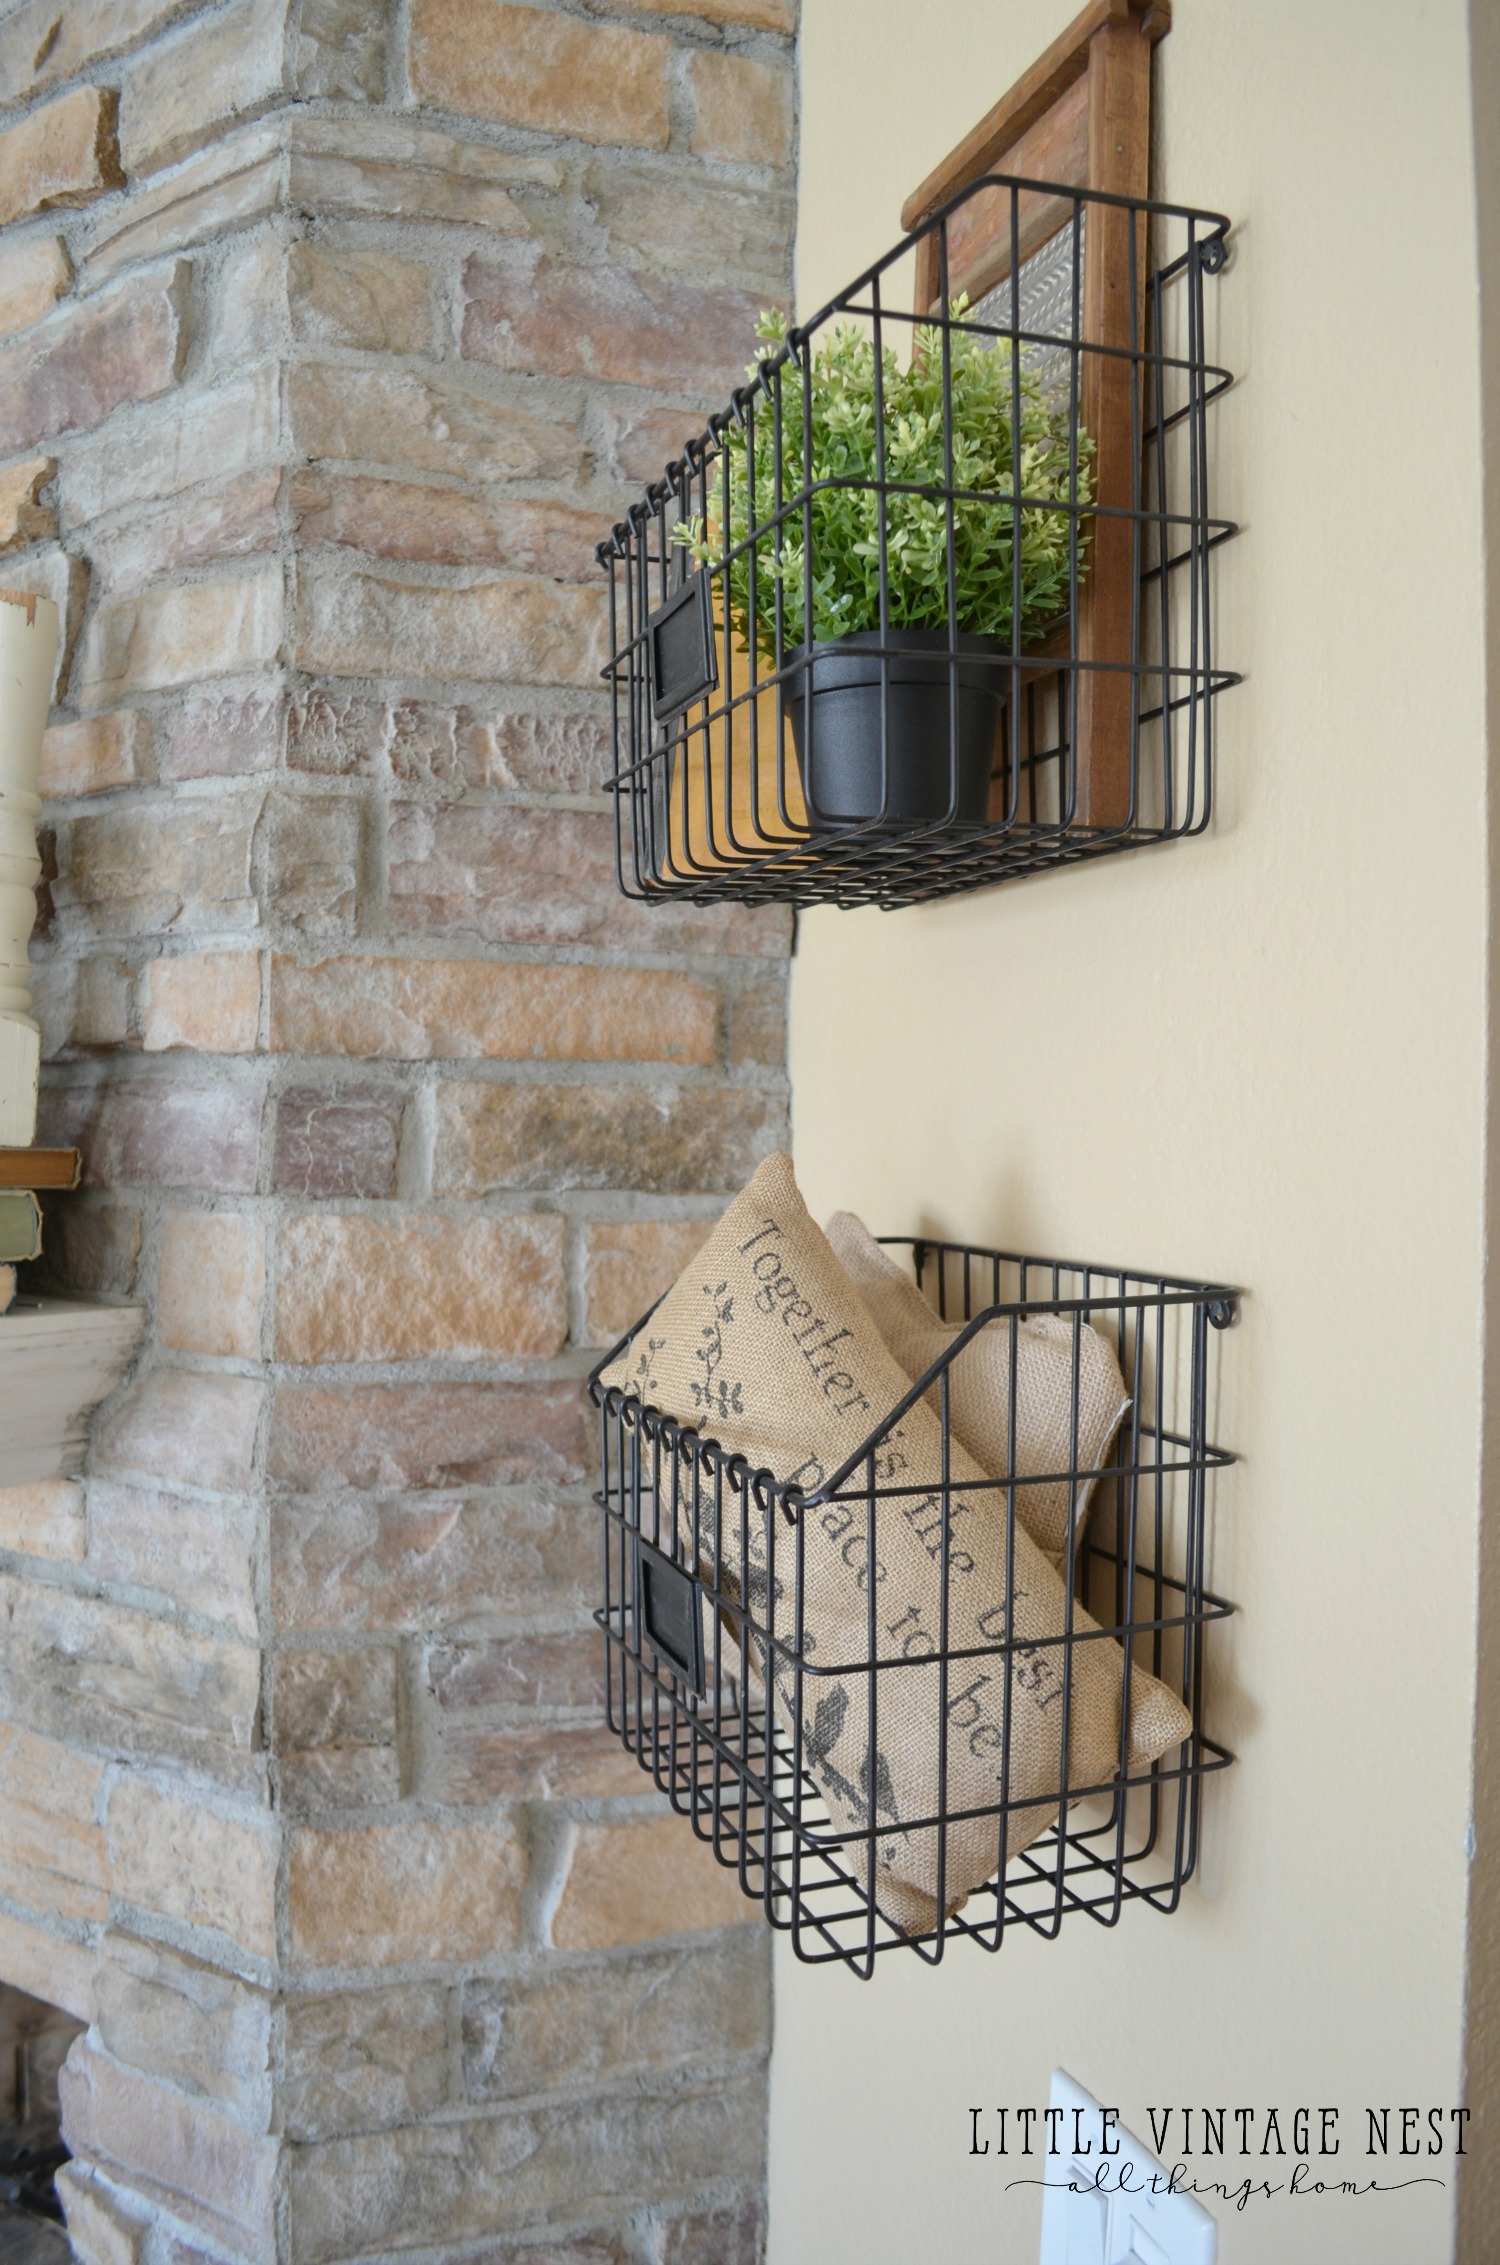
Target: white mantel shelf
[{"x": 59, "y": 1357}]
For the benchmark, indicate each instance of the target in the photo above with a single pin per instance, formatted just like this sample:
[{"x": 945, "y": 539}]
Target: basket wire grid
[
  {"x": 1104, "y": 738},
  {"x": 699, "y": 1624}
]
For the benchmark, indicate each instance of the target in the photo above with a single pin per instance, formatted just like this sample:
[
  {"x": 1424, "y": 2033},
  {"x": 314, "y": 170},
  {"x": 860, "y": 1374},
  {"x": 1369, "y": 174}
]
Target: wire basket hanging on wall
[
  {"x": 928, "y": 605},
  {"x": 717, "y": 1682}
]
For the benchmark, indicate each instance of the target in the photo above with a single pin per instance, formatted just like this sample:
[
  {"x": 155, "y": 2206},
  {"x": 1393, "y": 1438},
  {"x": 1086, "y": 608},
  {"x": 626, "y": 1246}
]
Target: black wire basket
[
  {"x": 701, "y": 1619},
  {"x": 971, "y": 638}
]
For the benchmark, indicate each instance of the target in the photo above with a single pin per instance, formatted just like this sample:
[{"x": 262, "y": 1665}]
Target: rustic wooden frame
[{"x": 1081, "y": 116}]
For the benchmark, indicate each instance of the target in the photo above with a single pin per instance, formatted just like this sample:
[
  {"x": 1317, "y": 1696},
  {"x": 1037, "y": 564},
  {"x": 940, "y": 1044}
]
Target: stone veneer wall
[{"x": 335, "y": 334}]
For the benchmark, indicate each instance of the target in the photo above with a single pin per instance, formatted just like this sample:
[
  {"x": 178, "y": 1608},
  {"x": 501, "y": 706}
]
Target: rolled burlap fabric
[
  {"x": 764, "y": 1345},
  {"x": 1069, "y": 1399}
]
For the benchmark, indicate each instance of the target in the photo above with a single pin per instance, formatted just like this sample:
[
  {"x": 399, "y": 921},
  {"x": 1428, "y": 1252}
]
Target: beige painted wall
[{"x": 1258, "y": 1056}]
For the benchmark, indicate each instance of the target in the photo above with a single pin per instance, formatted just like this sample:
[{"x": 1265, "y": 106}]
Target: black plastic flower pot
[{"x": 925, "y": 764}]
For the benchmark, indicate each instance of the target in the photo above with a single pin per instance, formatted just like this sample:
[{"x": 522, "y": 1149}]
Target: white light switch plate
[{"x": 1087, "y": 2227}]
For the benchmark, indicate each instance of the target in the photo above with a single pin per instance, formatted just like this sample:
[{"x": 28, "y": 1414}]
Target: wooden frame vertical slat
[
  {"x": 1110, "y": 388},
  {"x": 1109, "y": 45}
]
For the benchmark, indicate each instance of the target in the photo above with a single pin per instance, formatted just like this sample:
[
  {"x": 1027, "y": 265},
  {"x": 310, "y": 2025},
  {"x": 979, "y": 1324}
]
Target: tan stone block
[
  {"x": 310, "y": 850},
  {"x": 102, "y": 1002},
  {"x": 510, "y": 876},
  {"x": 173, "y": 1853},
  {"x": 246, "y": 299},
  {"x": 44, "y": 1520},
  {"x": 363, "y": 625},
  {"x": 628, "y": 1264},
  {"x": 340, "y": 50},
  {"x": 587, "y": 2023},
  {"x": 478, "y": 1762},
  {"x": 397, "y": 519},
  {"x": 208, "y": 1001},
  {"x": 40, "y": 1859},
  {"x": 630, "y": 1883},
  {"x": 185, "y": 2022},
  {"x": 380, "y": 1895},
  {"x": 123, "y": 871},
  {"x": 102, "y": 751},
  {"x": 340, "y": 1777},
  {"x": 359, "y": 2059},
  {"x": 177, "y": 1424},
  {"x": 208, "y": 2170},
  {"x": 23, "y": 519},
  {"x": 53, "y": 990},
  {"x": 368, "y": 1288},
  {"x": 81, "y": 1668},
  {"x": 757, "y": 1026},
  {"x": 680, "y": 220},
  {"x": 431, "y": 424},
  {"x": 63, "y": 154},
  {"x": 359, "y": 1562},
  {"x": 528, "y": 312},
  {"x": 47, "y": 1965},
  {"x": 181, "y": 89},
  {"x": 434, "y": 1010},
  {"x": 763, "y": 15},
  {"x": 428, "y": 1435},
  {"x": 523, "y": 2168},
  {"x": 340, "y": 295},
  {"x": 642, "y": 442},
  {"x": 512, "y": 1675},
  {"x": 744, "y": 107},
  {"x": 211, "y": 1281},
  {"x": 557, "y": 751},
  {"x": 337, "y": 1140},
  {"x": 220, "y": 734},
  {"x": 414, "y": 145},
  {"x": 198, "y": 1553},
  {"x": 33, "y": 277},
  {"x": 69, "y": 372},
  {"x": 206, "y": 436},
  {"x": 733, "y": 2236},
  {"x": 670, "y": 1140},
  {"x": 92, "y": 1247},
  {"x": 335, "y": 1726},
  {"x": 335, "y": 1699},
  {"x": 234, "y": 188},
  {"x": 186, "y": 1132},
  {"x": 175, "y": 636},
  {"x": 233, "y": 519},
  {"x": 382, "y": 167},
  {"x": 103, "y": 2229},
  {"x": 41, "y": 45},
  {"x": 52, "y": 1853},
  {"x": 531, "y": 67}
]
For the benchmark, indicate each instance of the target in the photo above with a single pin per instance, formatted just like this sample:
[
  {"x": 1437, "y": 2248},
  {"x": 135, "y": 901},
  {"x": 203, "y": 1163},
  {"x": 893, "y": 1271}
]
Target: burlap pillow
[
  {"x": 979, "y": 1386},
  {"x": 764, "y": 1345}
]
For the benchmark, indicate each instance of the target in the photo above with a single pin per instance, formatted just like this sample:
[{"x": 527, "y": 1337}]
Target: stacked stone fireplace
[{"x": 335, "y": 333}]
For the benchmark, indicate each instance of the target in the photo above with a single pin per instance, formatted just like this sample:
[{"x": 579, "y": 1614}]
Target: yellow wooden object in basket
[{"x": 727, "y": 788}]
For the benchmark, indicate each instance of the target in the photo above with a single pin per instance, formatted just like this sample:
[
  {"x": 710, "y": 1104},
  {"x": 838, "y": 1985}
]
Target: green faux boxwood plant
[
  {"x": 845, "y": 519},
  {"x": 904, "y": 732}
]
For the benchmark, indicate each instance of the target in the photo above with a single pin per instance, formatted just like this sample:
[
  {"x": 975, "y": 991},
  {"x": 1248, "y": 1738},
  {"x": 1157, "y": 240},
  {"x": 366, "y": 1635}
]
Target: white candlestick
[{"x": 28, "y": 651}]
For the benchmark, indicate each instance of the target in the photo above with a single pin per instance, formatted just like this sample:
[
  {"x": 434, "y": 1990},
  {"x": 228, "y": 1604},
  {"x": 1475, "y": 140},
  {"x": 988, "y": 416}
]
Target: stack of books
[
  {"x": 24, "y": 1173},
  {"x": 59, "y": 1357}
]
